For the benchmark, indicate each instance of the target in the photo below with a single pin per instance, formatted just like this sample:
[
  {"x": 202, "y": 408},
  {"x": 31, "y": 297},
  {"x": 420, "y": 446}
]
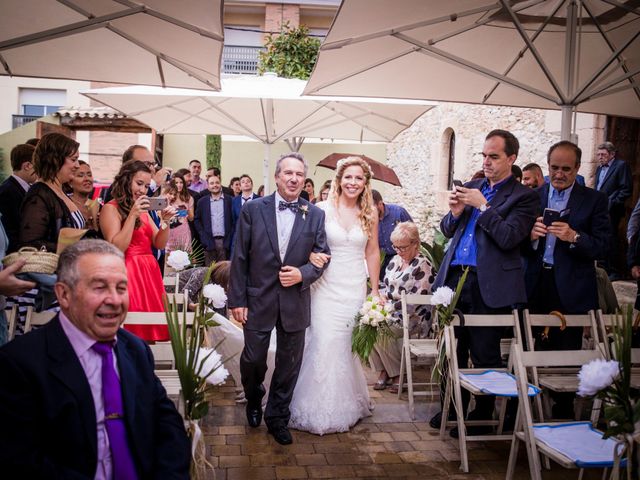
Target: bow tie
[{"x": 293, "y": 206}]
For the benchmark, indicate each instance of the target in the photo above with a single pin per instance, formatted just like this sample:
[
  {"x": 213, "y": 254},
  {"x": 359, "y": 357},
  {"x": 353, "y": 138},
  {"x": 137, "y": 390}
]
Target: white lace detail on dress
[{"x": 331, "y": 394}]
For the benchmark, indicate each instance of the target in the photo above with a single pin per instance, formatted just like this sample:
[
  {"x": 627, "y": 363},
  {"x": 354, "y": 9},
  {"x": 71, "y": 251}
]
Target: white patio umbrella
[
  {"x": 268, "y": 109},
  {"x": 158, "y": 42},
  {"x": 576, "y": 55}
]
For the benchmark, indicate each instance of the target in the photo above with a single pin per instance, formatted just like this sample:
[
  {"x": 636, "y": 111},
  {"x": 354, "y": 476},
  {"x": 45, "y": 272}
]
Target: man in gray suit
[{"x": 270, "y": 279}]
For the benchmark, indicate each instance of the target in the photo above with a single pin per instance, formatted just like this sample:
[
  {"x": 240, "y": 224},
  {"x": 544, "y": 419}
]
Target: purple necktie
[{"x": 122, "y": 463}]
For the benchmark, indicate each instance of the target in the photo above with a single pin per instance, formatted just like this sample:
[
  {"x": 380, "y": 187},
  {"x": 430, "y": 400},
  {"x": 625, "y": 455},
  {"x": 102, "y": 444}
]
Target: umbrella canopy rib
[
  {"x": 319, "y": 108},
  {"x": 474, "y": 67},
  {"x": 535, "y": 53},
  {"x": 623, "y": 6},
  {"x": 411, "y": 26},
  {"x": 603, "y": 88}
]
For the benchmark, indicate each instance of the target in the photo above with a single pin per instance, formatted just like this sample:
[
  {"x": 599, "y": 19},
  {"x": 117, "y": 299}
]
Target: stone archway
[{"x": 447, "y": 158}]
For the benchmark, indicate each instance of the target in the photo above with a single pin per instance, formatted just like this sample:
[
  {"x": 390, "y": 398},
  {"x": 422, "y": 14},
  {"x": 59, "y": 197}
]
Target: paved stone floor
[{"x": 386, "y": 445}]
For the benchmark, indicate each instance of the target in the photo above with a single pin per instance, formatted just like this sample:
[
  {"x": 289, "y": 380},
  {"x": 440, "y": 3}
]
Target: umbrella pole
[
  {"x": 266, "y": 168},
  {"x": 569, "y": 69},
  {"x": 565, "y": 128}
]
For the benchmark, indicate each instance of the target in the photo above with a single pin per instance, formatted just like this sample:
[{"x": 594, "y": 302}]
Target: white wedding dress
[{"x": 331, "y": 394}]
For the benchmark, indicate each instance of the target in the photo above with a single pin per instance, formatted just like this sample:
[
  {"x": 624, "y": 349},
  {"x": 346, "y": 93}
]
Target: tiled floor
[{"x": 385, "y": 445}]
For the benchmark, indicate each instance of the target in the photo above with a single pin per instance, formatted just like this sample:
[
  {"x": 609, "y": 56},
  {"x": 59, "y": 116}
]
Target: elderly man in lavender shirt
[{"x": 79, "y": 397}]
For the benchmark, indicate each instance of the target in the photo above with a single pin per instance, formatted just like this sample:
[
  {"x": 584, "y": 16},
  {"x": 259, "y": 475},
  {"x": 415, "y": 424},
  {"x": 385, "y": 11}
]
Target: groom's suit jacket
[
  {"x": 256, "y": 262},
  {"x": 48, "y": 419}
]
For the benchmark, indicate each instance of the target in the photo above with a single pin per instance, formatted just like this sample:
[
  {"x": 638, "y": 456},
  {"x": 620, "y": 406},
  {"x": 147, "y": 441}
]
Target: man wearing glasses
[
  {"x": 488, "y": 219},
  {"x": 389, "y": 215}
]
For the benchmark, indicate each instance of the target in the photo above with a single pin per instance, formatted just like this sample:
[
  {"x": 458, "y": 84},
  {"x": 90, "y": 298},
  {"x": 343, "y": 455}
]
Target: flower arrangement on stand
[
  {"x": 444, "y": 299},
  {"x": 197, "y": 364},
  {"x": 178, "y": 260},
  {"x": 611, "y": 382},
  {"x": 371, "y": 326}
]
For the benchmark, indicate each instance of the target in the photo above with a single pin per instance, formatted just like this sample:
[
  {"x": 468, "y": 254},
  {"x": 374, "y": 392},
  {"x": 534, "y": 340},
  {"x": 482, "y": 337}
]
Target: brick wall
[
  {"x": 106, "y": 153},
  {"x": 277, "y": 15}
]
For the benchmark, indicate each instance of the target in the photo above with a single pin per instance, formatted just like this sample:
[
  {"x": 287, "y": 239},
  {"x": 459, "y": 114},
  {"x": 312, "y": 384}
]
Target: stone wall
[{"x": 420, "y": 154}]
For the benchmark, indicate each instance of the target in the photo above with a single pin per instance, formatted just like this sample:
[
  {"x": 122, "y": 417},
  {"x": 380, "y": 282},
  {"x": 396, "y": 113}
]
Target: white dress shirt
[{"x": 284, "y": 224}]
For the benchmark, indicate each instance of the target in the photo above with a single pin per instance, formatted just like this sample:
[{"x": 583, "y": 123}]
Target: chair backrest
[
  {"x": 12, "y": 321},
  {"x": 153, "y": 318},
  {"x": 406, "y": 300},
  {"x": 548, "y": 320},
  {"x": 163, "y": 354},
  {"x": 36, "y": 319},
  {"x": 181, "y": 300},
  {"x": 171, "y": 282}
]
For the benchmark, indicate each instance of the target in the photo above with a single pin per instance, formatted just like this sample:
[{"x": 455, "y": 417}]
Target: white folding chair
[
  {"x": 181, "y": 300},
  {"x": 536, "y": 435},
  {"x": 605, "y": 322},
  {"x": 37, "y": 319},
  {"x": 423, "y": 350},
  {"x": 171, "y": 281},
  {"x": 458, "y": 378},
  {"x": 12, "y": 321},
  {"x": 165, "y": 367},
  {"x": 558, "y": 379}
]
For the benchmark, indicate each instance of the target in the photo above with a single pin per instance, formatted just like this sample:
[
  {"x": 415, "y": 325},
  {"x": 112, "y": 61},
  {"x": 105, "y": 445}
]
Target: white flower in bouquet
[
  {"x": 215, "y": 294},
  {"x": 442, "y": 296},
  {"x": 208, "y": 359},
  {"x": 597, "y": 375},
  {"x": 178, "y": 260}
]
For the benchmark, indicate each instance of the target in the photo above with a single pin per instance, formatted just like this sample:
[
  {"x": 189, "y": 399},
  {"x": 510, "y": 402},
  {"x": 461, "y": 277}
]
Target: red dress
[{"x": 145, "y": 281}]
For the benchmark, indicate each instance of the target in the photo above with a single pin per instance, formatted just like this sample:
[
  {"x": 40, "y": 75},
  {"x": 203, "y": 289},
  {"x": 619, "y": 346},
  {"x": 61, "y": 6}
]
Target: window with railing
[{"x": 240, "y": 59}]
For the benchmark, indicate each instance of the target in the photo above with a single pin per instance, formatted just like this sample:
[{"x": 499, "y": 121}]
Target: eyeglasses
[{"x": 403, "y": 248}]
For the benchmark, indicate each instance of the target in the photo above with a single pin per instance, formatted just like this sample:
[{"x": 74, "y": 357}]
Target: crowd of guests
[{"x": 496, "y": 225}]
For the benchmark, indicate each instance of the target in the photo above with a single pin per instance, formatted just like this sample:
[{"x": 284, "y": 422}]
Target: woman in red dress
[{"x": 126, "y": 223}]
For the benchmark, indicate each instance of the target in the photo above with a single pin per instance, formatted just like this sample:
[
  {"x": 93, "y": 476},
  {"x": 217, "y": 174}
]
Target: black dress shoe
[
  {"x": 436, "y": 420},
  {"x": 281, "y": 434},
  {"x": 472, "y": 430},
  {"x": 254, "y": 415}
]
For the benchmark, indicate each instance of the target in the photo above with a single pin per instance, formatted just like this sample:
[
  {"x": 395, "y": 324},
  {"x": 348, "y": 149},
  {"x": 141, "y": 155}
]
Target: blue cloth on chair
[
  {"x": 580, "y": 442},
  {"x": 492, "y": 382}
]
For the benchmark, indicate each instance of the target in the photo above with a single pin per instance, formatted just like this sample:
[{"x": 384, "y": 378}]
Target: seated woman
[
  {"x": 410, "y": 272},
  {"x": 80, "y": 187},
  {"x": 179, "y": 232},
  {"x": 126, "y": 223}
]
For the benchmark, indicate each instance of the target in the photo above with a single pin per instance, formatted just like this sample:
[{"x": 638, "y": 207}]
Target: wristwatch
[
  {"x": 483, "y": 208},
  {"x": 576, "y": 237},
  {"x": 163, "y": 225}
]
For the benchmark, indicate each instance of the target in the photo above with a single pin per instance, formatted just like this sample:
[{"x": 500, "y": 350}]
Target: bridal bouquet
[
  {"x": 611, "y": 382},
  {"x": 197, "y": 364},
  {"x": 444, "y": 299},
  {"x": 371, "y": 326}
]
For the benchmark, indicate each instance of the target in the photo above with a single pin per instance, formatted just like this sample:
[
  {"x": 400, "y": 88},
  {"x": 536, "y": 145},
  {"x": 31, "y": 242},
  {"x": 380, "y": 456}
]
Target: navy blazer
[
  {"x": 574, "y": 263},
  {"x": 255, "y": 264},
  {"x": 203, "y": 222},
  {"x": 11, "y": 196},
  {"x": 499, "y": 232},
  {"x": 236, "y": 207},
  {"x": 48, "y": 416},
  {"x": 617, "y": 185}
]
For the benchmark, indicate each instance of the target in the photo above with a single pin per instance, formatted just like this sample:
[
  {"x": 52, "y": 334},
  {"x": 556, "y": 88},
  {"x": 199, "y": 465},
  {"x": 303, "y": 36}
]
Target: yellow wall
[{"x": 240, "y": 157}]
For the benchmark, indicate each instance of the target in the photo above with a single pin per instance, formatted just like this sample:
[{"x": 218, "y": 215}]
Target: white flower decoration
[
  {"x": 208, "y": 359},
  {"x": 442, "y": 296},
  {"x": 215, "y": 294},
  {"x": 178, "y": 260},
  {"x": 597, "y": 375}
]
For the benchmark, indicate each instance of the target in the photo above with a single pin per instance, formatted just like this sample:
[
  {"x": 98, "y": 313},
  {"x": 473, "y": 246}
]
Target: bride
[{"x": 331, "y": 394}]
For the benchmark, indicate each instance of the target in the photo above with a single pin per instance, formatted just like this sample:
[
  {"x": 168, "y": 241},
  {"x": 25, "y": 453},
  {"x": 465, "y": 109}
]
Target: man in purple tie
[{"x": 78, "y": 397}]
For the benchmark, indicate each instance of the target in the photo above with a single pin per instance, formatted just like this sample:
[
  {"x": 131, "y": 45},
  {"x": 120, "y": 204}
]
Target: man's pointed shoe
[
  {"x": 281, "y": 434},
  {"x": 254, "y": 415}
]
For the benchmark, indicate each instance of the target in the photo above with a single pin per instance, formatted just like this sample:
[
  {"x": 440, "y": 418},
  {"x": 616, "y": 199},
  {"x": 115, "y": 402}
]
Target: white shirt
[
  {"x": 22, "y": 183},
  {"x": 284, "y": 225}
]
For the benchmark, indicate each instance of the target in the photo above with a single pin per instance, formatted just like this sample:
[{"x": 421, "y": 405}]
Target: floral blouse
[{"x": 417, "y": 278}]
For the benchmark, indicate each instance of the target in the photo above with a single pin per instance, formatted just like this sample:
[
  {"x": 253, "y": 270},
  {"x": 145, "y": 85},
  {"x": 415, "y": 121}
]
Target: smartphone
[
  {"x": 182, "y": 213},
  {"x": 158, "y": 203},
  {"x": 550, "y": 215},
  {"x": 456, "y": 183}
]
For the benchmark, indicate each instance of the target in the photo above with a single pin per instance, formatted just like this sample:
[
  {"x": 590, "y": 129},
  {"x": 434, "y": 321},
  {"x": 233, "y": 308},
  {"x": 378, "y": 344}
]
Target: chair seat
[
  {"x": 493, "y": 382},
  {"x": 560, "y": 383},
  {"x": 424, "y": 348},
  {"x": 575, "y": 444}
]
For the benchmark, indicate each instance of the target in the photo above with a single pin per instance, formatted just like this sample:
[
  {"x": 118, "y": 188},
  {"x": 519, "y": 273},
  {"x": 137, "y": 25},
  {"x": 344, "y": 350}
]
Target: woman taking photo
[
  {"x": 409, "y": 272},
  {"x": 126, "y": 223},
  {"x": 179, "y": 198}
]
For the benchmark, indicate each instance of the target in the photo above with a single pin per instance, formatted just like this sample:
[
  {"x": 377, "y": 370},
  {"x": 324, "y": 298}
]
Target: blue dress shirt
[
  {"x": 557, "y": 201},
  {"x": 466, "y": 251}
]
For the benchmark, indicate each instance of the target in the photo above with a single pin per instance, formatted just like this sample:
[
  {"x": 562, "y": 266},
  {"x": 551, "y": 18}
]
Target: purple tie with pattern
[{"x": 123, "y": 466}]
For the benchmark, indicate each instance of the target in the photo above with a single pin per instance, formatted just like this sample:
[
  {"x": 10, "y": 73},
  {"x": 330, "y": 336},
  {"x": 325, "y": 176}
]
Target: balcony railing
[
  {"x": 20, "y": 120},
  {"x": 237, "y": 59}
]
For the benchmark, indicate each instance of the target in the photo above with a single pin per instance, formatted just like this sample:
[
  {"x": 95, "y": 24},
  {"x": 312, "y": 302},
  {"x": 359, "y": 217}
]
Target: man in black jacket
[{"x": 13, "y": 190}]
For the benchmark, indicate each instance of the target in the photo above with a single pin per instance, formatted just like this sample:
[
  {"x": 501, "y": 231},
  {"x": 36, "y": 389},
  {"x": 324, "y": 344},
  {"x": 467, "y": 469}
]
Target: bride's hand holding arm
[
  {"x": 372, "y": 256},
  {"x": 319, "y": 259}
]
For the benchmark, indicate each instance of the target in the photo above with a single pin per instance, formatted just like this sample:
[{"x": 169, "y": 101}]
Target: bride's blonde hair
[{"x": 365, "y": 200}]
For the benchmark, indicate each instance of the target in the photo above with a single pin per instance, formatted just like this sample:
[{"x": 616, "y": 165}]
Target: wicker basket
[{"x": 38, "y": 261}]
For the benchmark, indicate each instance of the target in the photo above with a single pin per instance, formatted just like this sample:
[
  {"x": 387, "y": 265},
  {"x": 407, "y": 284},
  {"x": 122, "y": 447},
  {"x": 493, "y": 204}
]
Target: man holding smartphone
[
  {"x": 487, "y": 222},
  {"x": 561, "y": 275}
]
